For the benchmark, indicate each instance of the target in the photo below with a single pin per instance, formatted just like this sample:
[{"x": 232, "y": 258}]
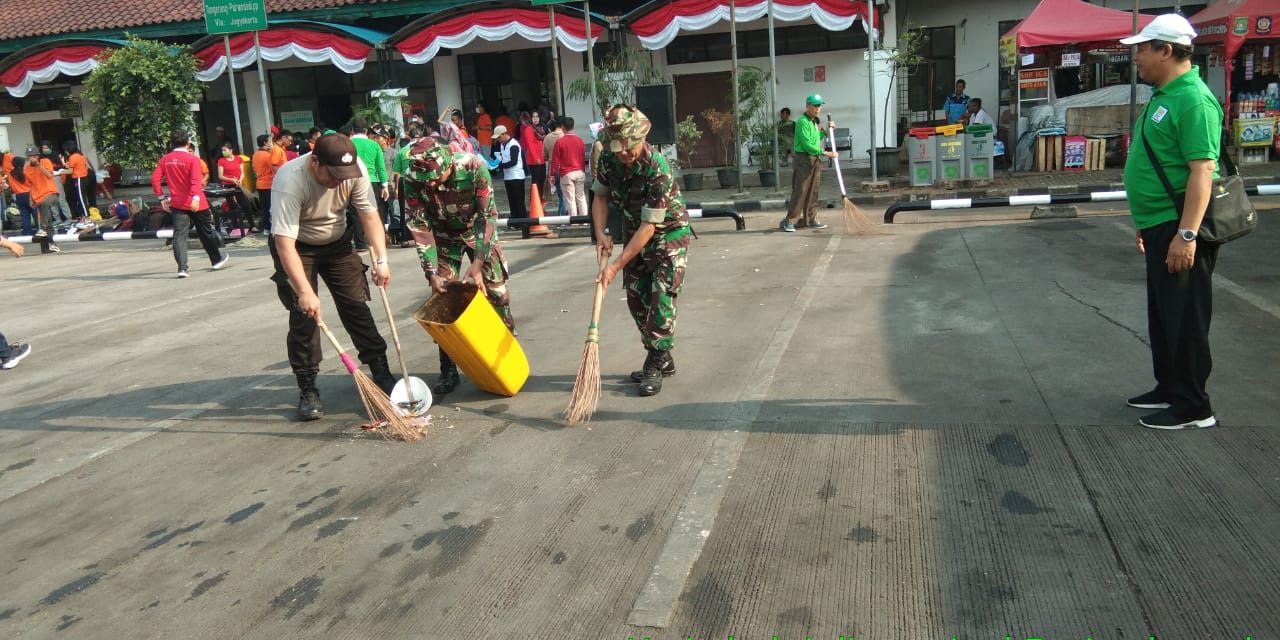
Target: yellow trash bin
[{"x": 466, "y": 326}]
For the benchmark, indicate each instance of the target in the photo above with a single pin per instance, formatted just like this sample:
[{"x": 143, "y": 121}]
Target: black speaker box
[{"x": 658, "y": 101}]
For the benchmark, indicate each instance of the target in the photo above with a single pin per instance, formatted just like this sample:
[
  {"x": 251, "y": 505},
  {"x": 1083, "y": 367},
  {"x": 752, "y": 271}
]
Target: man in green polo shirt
[
  {"x": 1182, "y": 124},
  {"x": 806, "y": 175},
  {"x": 370, "y": 152}
]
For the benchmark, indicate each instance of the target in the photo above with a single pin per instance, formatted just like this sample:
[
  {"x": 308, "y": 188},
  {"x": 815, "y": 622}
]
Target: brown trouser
[{"x": 805, "y": 177}]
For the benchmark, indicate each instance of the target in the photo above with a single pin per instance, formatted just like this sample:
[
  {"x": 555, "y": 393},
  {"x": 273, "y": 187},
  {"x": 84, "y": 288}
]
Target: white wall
[
  {"x": 20, "y": 136},
  {"x": 845, "y": 90}
]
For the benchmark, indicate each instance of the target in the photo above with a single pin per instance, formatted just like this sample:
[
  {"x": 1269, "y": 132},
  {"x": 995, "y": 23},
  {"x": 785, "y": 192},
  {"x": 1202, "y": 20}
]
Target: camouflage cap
[
  {"x": 428, "y": 160},
  {"x": 625, "y": 127}
]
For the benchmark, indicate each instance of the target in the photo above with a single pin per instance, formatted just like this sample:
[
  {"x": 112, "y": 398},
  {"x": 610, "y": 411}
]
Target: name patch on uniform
[{"x": 1159, "y": 114}]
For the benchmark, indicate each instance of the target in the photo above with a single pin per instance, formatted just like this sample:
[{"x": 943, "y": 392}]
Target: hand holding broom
[{"x": 586, "y": 387}]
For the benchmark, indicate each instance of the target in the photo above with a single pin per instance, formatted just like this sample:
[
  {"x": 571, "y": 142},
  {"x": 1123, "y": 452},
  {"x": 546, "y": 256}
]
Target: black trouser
[
  {"x": 264, "y": 203},
  {"x": 1179, "y": 308},
  {"x": 343, "y": 273},
  {"x": 209, "y": 238},
  {"x": 74, "y": 190},
  {"x": 538, "y": 176},
  {"x": 515, "y": 198}
]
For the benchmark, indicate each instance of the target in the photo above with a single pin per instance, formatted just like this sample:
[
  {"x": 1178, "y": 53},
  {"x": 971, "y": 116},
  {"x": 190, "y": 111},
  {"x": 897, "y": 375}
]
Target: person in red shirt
[
  {"x": 230, "y": 175},
  {"x": 531, "y": 140},
  {"x": 568, "y": 160},
  {"x": 180, "y": 168},
  {"x": 76, "y": 181},
  {"x": 44, "y": 197}
]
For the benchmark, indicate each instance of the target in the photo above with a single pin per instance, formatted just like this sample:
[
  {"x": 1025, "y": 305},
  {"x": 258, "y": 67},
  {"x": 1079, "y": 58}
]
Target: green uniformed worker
[
  {"x": 449, "y": 210},
  {"x": 639, "y": 183}
]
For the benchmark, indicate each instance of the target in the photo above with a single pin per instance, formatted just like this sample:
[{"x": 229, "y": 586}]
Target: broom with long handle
[
  {"x": 382, "y": 414},
  {"x": 586, "y": 387},
  {"x": 855, "y": 221}
]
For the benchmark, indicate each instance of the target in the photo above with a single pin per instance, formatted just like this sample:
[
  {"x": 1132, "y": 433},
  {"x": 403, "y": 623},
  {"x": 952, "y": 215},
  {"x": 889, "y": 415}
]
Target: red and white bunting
[
  {"x": 658, "y": 28},
  {"x": 46, "y": 65},
  {"x": 494, "y": 25},
  {"x": 282, "y": 43}
]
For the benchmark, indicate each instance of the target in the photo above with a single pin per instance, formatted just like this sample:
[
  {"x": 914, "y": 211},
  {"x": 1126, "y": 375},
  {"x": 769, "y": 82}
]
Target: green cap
[
  {"x": 428, "y": 159},
  {"x": 814, "y": 99},
  {"x": 626, "y": 127}
]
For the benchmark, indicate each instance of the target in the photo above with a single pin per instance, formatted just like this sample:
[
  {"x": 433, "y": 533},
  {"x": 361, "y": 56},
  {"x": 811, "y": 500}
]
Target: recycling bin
[
  {"x": 950, "y": 153},
  {"x": 922, "y": 156},
  {"x": 979, "y": 152}
]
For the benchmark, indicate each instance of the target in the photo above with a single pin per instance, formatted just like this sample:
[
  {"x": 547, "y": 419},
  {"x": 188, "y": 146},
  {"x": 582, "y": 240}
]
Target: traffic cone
[{"x": 535, "y": 211}]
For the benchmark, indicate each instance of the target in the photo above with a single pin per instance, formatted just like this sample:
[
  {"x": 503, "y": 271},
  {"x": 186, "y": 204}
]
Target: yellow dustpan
[{"x": 466, "y": 326}]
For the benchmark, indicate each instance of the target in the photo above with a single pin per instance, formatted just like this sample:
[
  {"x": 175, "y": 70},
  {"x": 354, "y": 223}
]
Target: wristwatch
[
  {"x": 380, "y": 261},
  {"x": 1187, "y": 235}
]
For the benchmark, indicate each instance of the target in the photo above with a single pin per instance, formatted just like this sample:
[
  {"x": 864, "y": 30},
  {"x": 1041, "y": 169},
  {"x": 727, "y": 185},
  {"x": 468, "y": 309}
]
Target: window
[
  {"x": 755, "y": 44},
  {"x": 934, "y": 79}
]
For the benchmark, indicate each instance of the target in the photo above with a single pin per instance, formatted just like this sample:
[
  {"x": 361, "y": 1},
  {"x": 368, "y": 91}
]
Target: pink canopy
[{"x": 1075, "y": 22}]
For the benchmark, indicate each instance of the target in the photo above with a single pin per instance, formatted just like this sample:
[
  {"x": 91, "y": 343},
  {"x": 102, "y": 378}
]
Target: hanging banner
[{"x": 1008, "y": 51}]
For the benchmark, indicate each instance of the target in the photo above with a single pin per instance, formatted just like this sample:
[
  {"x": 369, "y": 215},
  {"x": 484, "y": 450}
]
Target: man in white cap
[
  {"x": 1168, "y": 177},
  {"x": 512, "y": 167}
]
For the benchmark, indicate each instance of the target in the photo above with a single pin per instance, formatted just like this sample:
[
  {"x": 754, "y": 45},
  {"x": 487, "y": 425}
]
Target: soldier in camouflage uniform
[
  {"x": 450, "y": 212},
  {"x": 639, "y": 182}
]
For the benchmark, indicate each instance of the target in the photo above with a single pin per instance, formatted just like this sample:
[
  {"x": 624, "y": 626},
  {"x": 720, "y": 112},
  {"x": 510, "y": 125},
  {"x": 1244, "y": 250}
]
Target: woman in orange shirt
[
  {"x": 75, "y": 181},
  {"x": 44, "y": 197}
]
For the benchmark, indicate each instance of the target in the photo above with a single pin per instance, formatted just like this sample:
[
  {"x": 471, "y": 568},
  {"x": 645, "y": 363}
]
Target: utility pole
[
  {"x": 871, "y": 84},
  {"x": 737, "y": 124},
  {"x": 1133, "y": 75}
]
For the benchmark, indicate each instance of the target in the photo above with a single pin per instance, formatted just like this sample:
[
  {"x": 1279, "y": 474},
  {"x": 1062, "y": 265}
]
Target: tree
[
  {"x": 142, "y": 92},
  {"x": 903, "y": 59},
  {"x": 616, "y": 78}
]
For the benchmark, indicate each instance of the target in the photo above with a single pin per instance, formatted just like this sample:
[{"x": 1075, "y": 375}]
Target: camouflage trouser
[
  {"x": 653, "y": 281},
  {"x": 449, "y": 252}
]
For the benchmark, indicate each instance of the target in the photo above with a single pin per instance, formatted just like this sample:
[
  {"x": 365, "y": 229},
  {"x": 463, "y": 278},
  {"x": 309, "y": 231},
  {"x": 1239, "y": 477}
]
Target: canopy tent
[
  {"x": 46, "y": 61},
  {"x": 422, "y": 39},
  {"x": 1231, "y": 23},
  {"x": 658, "y": 23},
  {"x": 344, "y": 46},
  {"x": 1074, "y": 22}
]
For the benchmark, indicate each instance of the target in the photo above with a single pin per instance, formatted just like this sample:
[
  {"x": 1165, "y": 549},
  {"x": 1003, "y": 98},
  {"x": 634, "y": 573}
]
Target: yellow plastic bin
[{"x": 465, "y": 325}]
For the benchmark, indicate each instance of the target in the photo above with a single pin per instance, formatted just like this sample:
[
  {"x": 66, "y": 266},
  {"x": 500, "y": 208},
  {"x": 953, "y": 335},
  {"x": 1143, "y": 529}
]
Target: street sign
[{"x": 235, "y": 16}]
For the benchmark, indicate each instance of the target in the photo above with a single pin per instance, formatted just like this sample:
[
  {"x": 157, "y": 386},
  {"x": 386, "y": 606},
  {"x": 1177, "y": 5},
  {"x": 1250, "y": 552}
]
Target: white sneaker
[
  {"x": 183, "y": 274},
  {"x": 53, "y": 248},
  {"x": 223, "y": 262},
  {"x": 17, "y": 353}
]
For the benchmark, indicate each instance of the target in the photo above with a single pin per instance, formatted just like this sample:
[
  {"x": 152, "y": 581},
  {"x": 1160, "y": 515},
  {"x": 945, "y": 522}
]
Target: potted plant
[
  {"x": 902, "y": 59},
  {"x": 688, "y": 135},
  {"x": 722, "y": 127},
  {"x": 757, "y": 126}
]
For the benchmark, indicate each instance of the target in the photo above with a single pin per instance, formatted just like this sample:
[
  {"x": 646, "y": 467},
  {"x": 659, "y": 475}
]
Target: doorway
[
  {"x": 55, "y": 131},
  {"x": 696, "y": 93}
]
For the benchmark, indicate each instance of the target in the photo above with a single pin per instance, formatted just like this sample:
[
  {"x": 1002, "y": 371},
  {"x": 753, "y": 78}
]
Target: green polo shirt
[
  {"x": 401, "y": 163},
  {"x": 1183, "y": 122},
  {"x": 371, "y": 153},
  {"x": 808, "y": 137}
]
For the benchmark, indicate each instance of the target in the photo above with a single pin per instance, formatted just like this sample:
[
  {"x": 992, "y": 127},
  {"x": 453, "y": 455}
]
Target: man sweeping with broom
[
  {"x": 639, "y": 182},
  {"x": 450, "y": 212},
  {"x": 310, "y": 240},
  {"x": 806, "y": 176}
]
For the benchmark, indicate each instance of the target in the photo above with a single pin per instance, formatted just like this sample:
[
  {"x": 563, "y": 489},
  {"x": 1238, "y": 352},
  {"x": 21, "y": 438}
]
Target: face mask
[
  {"x": 226, "y": 153},
  {"x": 477, "y": 109},
  {"x": 46, "y": 152}
]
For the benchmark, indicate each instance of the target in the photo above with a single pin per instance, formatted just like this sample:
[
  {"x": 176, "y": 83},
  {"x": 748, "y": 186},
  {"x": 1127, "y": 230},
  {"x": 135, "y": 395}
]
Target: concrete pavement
[{"x": 917, "y": 434}]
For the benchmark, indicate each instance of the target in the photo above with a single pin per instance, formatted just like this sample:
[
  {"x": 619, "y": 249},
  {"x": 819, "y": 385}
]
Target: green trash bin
[
  {"x": 979, "y": 147},
  {"x": 921, "y": 154}
]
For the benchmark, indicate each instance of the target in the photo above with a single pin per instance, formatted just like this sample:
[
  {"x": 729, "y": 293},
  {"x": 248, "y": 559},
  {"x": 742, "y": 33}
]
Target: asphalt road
[{"x": 917, "y": 434}]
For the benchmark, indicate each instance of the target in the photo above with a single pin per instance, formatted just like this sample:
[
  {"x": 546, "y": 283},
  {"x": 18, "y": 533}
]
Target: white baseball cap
[
  {"x": 499, "y": 130},
  {"x": 1169, "y": 27}
]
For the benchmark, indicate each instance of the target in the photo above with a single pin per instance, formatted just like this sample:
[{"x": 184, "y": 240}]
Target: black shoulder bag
[{"x": 1229, "y": 215}]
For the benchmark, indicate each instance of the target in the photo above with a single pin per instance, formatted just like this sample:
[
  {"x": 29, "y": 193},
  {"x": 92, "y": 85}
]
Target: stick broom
[
  {"x": 586, "y": 387},
  {"x": 855, "y": 221},
  {"x": 382, "y": 415}
]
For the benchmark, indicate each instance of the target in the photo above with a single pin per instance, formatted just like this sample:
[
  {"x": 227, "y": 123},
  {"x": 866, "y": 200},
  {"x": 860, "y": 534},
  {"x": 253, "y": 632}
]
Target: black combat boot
[
  {"x": 309, "y": 405},
  {"x": 667, "y": 365},
  {"x": 382, "y": 375},
  {"x": 655, "y": 367},
  {"x": 448, "y": 376}
]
